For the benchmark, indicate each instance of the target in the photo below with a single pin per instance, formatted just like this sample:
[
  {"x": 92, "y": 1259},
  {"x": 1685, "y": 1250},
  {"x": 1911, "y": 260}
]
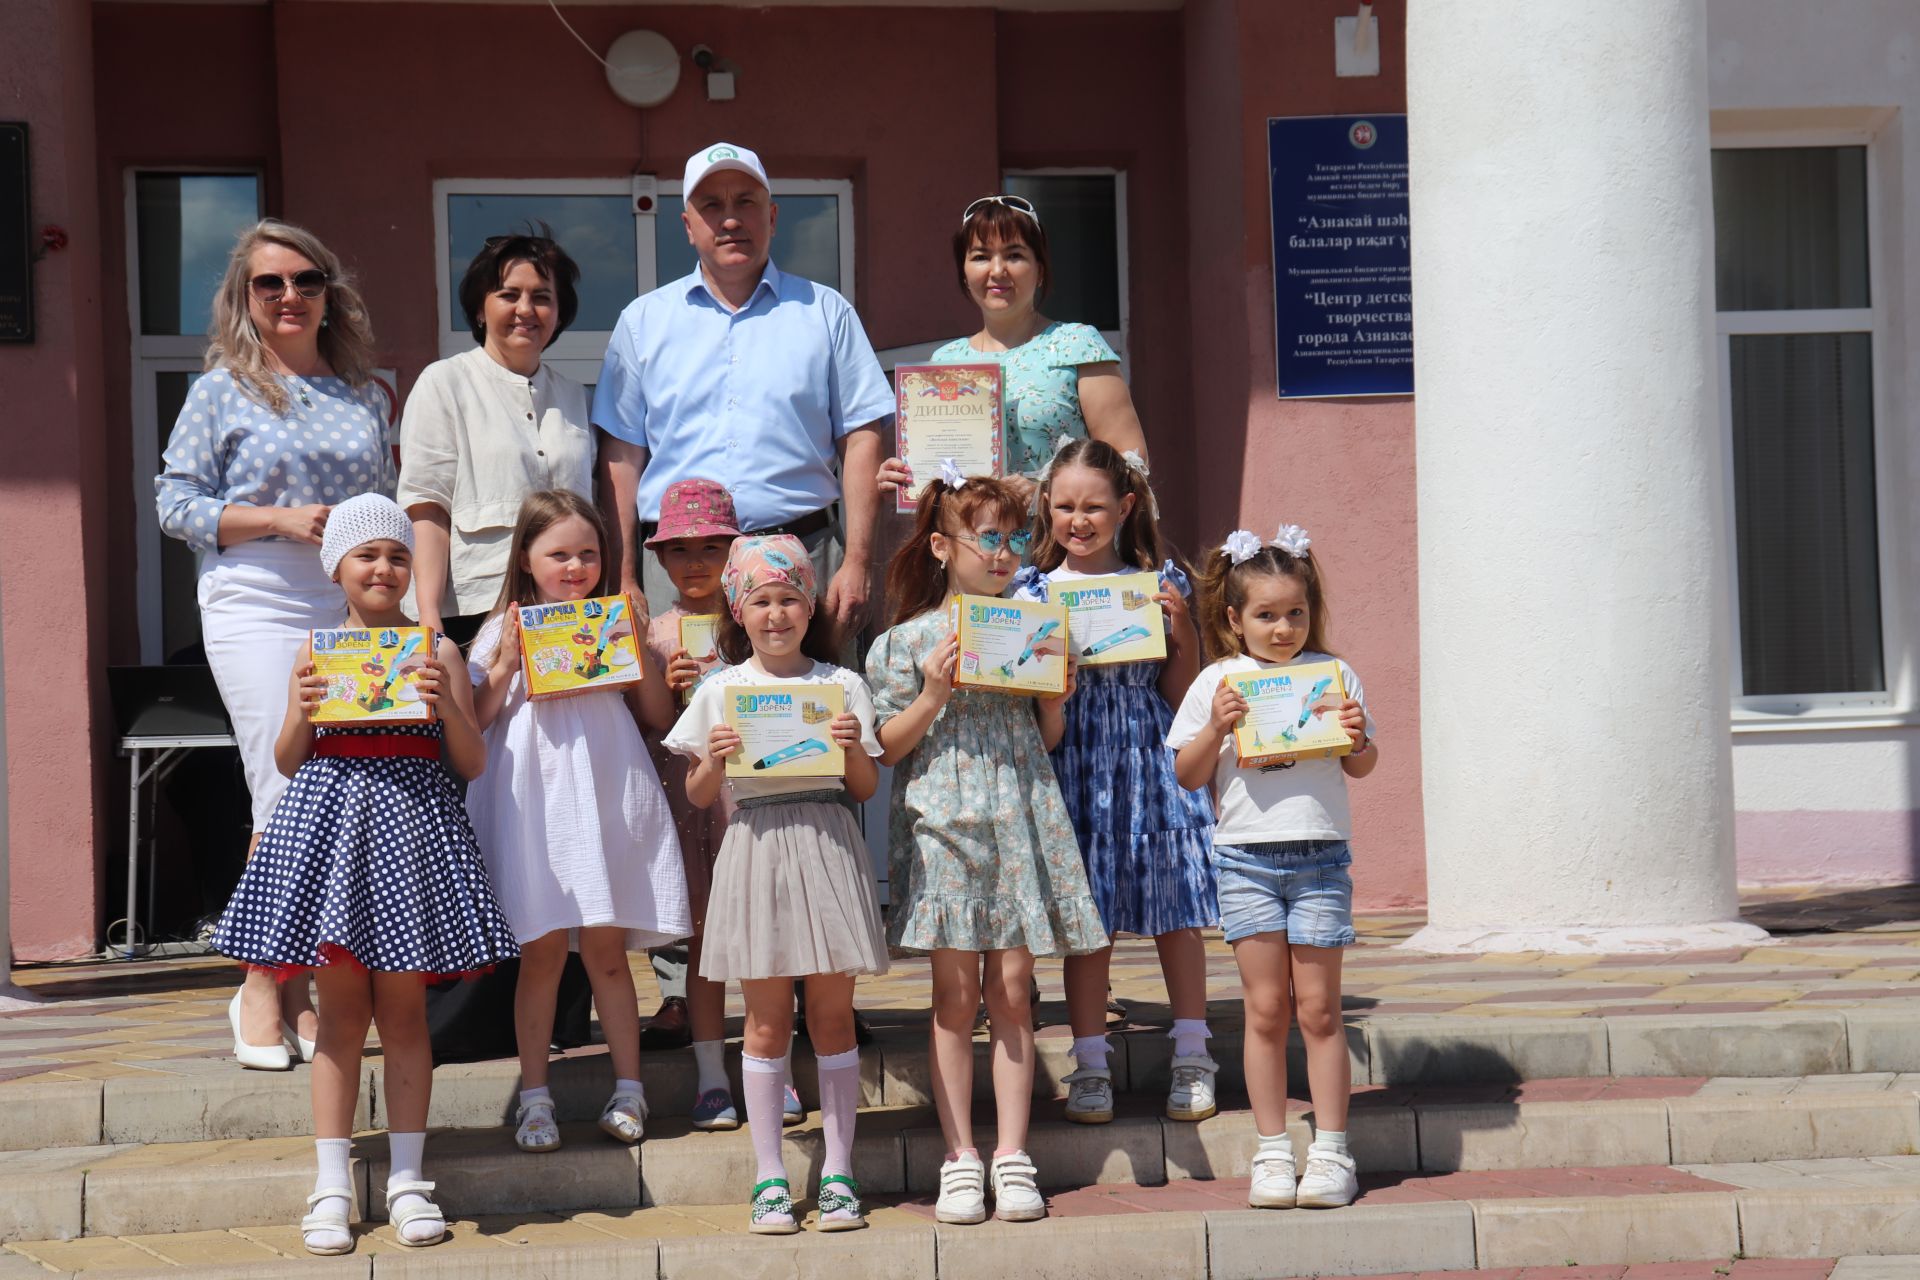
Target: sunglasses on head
[
  {"x": 1019, "y": 204},
  {"x": 992, "y": 540},
  {"x": 271, "y": 288}
]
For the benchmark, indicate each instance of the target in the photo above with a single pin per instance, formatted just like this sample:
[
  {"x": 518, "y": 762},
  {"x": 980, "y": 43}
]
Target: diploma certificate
[{"x": 948, "y": 411}]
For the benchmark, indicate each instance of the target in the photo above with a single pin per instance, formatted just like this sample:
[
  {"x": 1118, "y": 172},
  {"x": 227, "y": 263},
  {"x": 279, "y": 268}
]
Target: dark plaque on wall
[{"x": 16, "y": 250}]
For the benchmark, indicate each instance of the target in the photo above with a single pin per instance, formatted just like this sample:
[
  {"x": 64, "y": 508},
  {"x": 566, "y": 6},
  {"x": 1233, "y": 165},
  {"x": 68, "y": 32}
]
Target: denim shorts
[{"x": 1297, "y": 887}]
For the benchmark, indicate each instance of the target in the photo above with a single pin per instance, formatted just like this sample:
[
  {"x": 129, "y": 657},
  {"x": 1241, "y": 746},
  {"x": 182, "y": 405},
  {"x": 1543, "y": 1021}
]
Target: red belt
[{"x": 376, "y": 744}]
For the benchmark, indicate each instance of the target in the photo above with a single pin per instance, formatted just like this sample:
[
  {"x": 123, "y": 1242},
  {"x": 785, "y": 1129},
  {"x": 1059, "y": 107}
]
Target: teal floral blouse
[
  {"x": 981, "y": 853},
  {"x": 1042, "y": 387}
]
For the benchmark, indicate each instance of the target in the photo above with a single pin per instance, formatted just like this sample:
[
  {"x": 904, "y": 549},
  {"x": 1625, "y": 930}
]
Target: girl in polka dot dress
[{"x": 369, "y": 876}]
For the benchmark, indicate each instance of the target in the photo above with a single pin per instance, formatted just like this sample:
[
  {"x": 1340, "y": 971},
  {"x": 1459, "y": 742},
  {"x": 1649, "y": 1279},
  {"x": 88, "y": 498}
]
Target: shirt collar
[
  {"x": 499, "y": 371},
  {"x": 769, "y": 281}
]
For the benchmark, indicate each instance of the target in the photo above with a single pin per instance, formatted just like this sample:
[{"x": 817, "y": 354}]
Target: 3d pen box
[
  {"x": 700, "y": 637},
  {"x": 1114, "y": 618},
  {"x": 576, "y": 646},
  {"x": 370, "y": 672},
  {"x": 1017, "y": 646},
  {"x": 1293, "y": 713},
  {"x": 785, "y": 730}
]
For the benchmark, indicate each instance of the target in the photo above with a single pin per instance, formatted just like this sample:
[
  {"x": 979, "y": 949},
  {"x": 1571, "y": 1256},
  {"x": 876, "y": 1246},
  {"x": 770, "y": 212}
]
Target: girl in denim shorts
[{"x": 1280, "y": 850}]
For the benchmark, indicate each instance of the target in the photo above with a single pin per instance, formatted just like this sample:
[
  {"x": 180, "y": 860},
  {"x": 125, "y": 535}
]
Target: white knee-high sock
[
  {"x": 839, "y": 1105},
  {"x": 764, "y": 1081}
]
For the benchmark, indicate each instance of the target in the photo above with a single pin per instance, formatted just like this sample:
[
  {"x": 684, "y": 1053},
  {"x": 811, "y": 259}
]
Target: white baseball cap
[{"x": 719, "y": 156}]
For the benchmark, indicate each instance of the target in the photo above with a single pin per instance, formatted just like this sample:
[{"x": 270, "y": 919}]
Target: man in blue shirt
[{"x": 743, "y": 374}]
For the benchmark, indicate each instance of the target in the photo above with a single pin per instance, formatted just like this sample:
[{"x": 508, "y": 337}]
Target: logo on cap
[
  {"x": 1362, "y": 135},
  {"x": 722, "y": 153}
]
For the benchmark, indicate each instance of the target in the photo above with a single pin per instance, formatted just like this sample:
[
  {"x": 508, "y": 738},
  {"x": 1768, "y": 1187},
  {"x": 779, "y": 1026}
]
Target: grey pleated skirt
[{"x": 793, "y": 894}]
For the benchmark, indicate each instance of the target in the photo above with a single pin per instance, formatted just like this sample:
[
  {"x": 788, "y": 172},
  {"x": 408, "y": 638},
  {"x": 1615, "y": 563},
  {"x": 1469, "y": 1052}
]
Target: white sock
[
  {"x": 408, "y": 1152},
  {"x": 1189, "y": 1036},
  {"x": 709, "y": 1058},
  {"x": 1283, "y": 1144},
  {"x": 530, "y": 1096},
  {"x": 332, "y": 1154},
  {"x": 1329, "y": 1140},
  {"x": 1091, "y": 1052},
  {"x": 630, "y": 1086}
]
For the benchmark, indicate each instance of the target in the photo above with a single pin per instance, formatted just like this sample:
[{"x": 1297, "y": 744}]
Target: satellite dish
[{"x": 642, "y": 68}]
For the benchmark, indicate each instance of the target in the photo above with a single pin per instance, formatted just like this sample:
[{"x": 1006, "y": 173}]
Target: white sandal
[
  {"x": 430, "y": 1213},
  {"x": 328, "y": 1221},
  {"x": 538, "y": 1130},
  {"x": 624, "y": 1117}
]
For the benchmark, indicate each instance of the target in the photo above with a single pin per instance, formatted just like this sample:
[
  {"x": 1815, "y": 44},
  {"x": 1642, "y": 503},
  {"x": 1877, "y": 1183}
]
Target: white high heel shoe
[
  {"x": 260, "y": 1057},
  {"x": 304, "y": 1046}
]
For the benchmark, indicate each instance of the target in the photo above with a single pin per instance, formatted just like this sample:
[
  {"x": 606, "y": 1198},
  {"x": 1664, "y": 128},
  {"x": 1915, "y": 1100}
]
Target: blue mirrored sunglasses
[{"x": 992, "y": 540}]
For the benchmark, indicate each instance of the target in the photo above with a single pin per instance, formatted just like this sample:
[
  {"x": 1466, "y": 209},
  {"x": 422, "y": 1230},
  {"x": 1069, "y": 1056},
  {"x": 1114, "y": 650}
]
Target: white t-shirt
[
  {"x": 1306, "y": 800},
  {"x": 691, "y": 731}
]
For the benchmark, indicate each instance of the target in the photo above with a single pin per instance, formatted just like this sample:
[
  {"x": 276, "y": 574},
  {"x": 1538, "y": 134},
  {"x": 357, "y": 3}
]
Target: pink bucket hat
[
  {"x": 695, "y": 509},
  {"x": 753, "y": 562}
]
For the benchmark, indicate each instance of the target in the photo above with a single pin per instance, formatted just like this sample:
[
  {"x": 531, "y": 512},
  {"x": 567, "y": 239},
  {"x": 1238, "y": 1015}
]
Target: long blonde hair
[{"x": 346, "y": 338}]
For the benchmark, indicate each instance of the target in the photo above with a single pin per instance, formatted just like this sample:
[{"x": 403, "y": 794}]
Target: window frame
[
  {"x": 150, "y": 356},
  {"x": 1123, "y": 253},
  {"x": 582, "y": 350},
  {"x": 1894, "y": 703}
]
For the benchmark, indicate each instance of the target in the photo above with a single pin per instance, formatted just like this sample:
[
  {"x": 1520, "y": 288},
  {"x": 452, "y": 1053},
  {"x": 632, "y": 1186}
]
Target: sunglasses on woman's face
[
  {"x": 1019, "y": 204},
  {"x": 272, "y": 288},
  {"x": 992, "y": 540}
]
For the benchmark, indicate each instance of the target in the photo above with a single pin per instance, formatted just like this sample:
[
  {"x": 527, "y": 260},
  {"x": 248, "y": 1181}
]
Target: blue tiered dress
[
  {"x": 1146, "y": 840},
  {"x": 369, "y": 860}
]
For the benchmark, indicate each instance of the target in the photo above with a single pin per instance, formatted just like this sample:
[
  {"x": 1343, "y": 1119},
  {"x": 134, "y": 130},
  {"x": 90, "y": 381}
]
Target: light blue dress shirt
[
  {"x": 757, "y": 398},
  {"x": 228, "y": 447}
]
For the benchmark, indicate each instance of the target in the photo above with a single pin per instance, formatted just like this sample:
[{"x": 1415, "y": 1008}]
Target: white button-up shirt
[{"x": 475, "y": 439}]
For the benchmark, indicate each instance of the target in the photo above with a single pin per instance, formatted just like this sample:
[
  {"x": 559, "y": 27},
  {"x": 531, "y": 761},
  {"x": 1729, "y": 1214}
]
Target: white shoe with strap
[
  {"x": 537, "y": 1130},
  {"x": 327, "y": 1233},
  {"x": 1016, "y": 1189},
  {"x": 963, "y": 1194},
  {"x": 1089, "y": 1095},
  {"x": 1272, "y": 1186},
  {"x": 625, "y": 1117},
  {"x": 1330, "y": 1181},
  {"x": 406, "y": 1215}
]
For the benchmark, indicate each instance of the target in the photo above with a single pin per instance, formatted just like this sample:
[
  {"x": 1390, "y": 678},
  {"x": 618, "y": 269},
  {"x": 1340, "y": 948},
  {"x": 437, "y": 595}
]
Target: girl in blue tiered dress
[{"x": 1145, "y": 839}]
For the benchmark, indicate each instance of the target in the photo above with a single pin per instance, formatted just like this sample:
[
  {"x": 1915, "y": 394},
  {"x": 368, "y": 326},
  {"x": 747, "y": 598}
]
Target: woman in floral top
[{"x": 1059, "y": 379}]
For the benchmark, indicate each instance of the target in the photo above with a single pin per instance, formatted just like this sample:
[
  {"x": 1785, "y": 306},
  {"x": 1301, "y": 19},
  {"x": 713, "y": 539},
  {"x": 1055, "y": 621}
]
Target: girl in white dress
[{"x": 576, "y": 831}]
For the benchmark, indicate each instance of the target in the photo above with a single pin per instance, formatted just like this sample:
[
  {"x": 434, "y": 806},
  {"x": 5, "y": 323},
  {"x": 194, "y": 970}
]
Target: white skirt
[{"x": 258, "y": 601}]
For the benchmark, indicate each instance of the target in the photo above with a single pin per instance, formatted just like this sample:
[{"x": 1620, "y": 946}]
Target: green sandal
[
  {"x": 773, "y": 1209},
  {"x": 832, "y": 1199}
]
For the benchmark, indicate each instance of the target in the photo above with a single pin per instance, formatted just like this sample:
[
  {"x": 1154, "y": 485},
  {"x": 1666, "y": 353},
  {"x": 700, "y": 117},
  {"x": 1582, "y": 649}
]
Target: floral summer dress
[
  {"x": 981, "y": 852},
  {"x": 1042, "y": 387}
]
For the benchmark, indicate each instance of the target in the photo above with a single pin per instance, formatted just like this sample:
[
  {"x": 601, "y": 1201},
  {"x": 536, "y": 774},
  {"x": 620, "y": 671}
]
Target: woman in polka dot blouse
[{"x": 285, "y": 423}]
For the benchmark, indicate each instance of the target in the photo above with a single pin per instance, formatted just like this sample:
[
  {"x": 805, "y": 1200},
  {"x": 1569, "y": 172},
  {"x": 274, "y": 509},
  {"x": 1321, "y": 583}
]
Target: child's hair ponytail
[
  {"x": 1230, "y": 570},
  {"x": 1137, "y": 541},
  {"x": 916, "y": 580}
]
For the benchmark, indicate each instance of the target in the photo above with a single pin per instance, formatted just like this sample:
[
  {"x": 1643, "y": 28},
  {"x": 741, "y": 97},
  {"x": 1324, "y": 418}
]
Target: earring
[{"x": 324, "y": 322}]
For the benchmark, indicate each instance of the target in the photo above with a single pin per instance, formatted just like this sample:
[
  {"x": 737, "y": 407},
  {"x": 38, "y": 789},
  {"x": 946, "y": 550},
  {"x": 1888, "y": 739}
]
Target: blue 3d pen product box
[
  {"x": 1293, "y": 713},
  {"x": 576, "y": 646},
  {"x": 786, "y": 730},
  {"x": 370, "y": 674},
  {"x": 1114, "y": 618},
  {"x": 1015, "y": 646}
]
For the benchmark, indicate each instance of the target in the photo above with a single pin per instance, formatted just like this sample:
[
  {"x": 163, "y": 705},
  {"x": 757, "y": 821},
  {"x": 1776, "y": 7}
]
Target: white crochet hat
[{"x": 360, "y": 519}]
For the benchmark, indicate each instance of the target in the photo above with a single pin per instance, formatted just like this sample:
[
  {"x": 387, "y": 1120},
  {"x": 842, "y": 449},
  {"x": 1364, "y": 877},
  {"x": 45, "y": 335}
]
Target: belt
[
  {"x": 818, "y": 796},
  {"x": 804, "y": 527},
  {"x": 376, "y": 744}
]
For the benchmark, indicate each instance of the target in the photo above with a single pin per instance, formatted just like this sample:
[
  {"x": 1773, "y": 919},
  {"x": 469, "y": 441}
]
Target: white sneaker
[
  {"x": 1016, "y": 1189},
  {"x": 1191, "y": 1097},
  {"x": 1272, "y": 1186},
  {"x": 963, "y": 1191},
  {"x": 1329, "y": 1182},
  {"x": 1090, "y": 1095}
]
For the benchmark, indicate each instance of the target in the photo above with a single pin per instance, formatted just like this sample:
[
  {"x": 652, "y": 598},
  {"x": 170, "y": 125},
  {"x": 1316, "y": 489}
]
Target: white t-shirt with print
[
  {"x": 1306, "y": 800},
  {"x": 691, "y": 731}
]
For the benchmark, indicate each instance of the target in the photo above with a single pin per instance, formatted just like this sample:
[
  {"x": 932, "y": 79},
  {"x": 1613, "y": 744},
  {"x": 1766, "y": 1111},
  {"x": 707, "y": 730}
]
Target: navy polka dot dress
[{"x": 368, "y": 858}]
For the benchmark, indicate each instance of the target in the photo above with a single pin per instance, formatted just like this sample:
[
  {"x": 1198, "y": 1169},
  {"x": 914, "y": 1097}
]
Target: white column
[{"x": 1574, "y": 623}]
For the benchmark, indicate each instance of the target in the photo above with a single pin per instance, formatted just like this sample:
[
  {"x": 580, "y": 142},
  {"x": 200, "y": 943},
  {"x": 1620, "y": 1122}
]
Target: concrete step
[
  {"x": 205, "y": 1099},
  {"x": 134, "y": 1189},
  {"x": 1849, "y": 1219}
]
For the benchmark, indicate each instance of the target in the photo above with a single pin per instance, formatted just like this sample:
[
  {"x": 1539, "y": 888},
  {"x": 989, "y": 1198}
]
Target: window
[
  {"x": 180, "y": 228},
  {"x": 622, "y": 253},
  {"x": 1084, "y": 212},
  {"x": 1797, "y": 329}
]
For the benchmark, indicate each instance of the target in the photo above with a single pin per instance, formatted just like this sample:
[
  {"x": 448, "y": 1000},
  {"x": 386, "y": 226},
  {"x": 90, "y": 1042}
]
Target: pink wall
[
  {"x": 1247, "y": 61},
  {"x": 53, "y": 594}
]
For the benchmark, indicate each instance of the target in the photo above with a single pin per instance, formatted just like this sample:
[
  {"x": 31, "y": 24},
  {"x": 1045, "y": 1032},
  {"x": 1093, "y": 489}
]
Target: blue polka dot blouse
[{"x": 228, "y": 447}]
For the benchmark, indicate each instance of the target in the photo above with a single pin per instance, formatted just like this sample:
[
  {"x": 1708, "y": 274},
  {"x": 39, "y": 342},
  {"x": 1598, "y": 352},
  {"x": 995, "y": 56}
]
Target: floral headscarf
[{"x": 753, "y": 562}]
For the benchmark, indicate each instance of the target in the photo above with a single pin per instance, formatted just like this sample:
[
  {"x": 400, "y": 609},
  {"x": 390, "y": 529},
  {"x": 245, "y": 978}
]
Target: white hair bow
[
  {"x": 1293, "y": 540},
  {"x": 1134, "y": 461},
  {"x": 1241, "y": 545},
  {"x": 950, "y": 473}
]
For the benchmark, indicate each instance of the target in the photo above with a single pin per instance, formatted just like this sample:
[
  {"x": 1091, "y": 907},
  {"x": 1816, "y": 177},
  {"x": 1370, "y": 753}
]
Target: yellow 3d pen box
[
  {"x": 1017, "y": 646},
  {"x": 700, "y": 637},
  {"x": 785, "y": 730},
  {"x": 370, "y": 674},
  {"x": 1114, "y": 618},
  {"x": 576, "y": 646},
  {"x": 1293, "y": 713}
]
